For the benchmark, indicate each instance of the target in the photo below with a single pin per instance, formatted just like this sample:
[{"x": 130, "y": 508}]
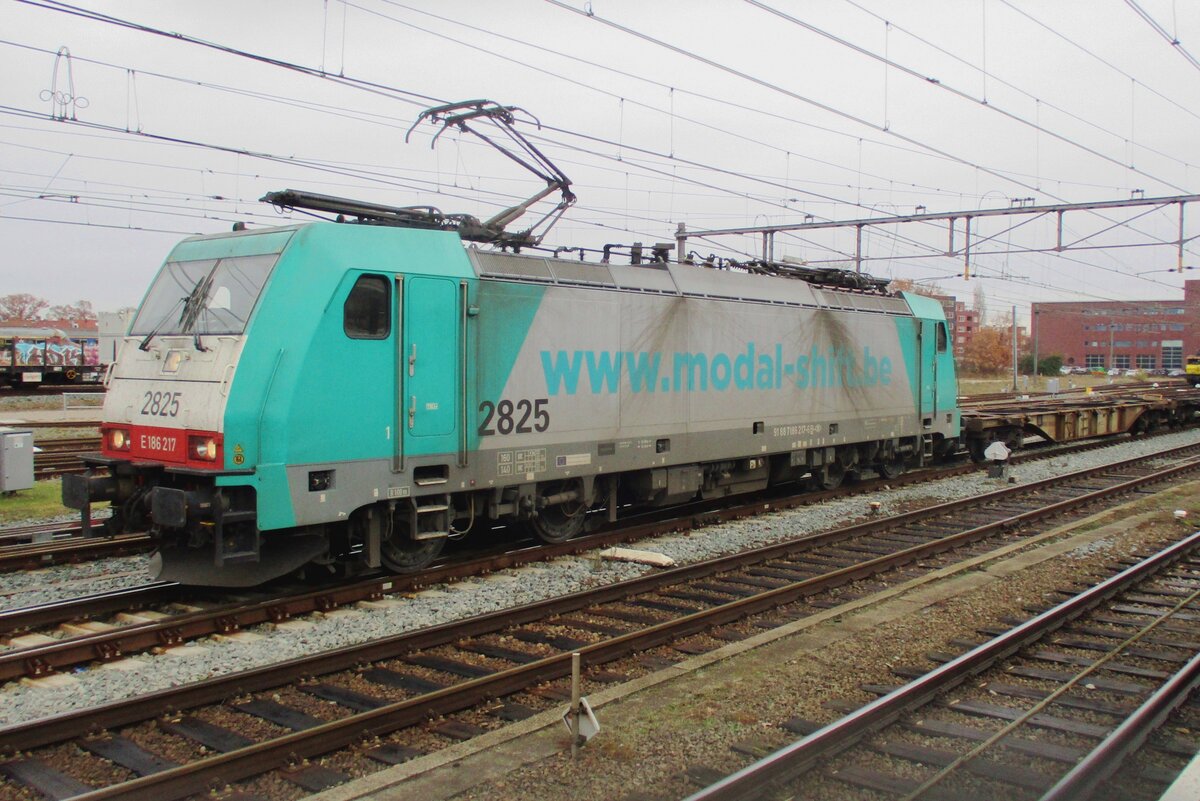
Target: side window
[
  {"x": 367, "y": 312},
  {"x": 941, "y": 337}
]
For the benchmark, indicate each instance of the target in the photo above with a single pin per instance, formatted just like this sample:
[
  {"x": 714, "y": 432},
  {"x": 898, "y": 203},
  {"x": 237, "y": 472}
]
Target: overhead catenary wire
[
  {"x": 695, "y": 56},
  {"x": 391, "y": 121},
  {"x": 646, "y": 151},
  {"x": 1040, "y": 101},
  {"x": 740, "y": 176},
  {"x": 293, "y": 160},
  {"x": 646, "y": 79},
  {"x": 276, "y": 62},
  {"x": 412, "y": 97},
  {"x": 272, "y": 61},
  {"x": 1161, "y": 31},
  {"x": 1068, "y": 40},
  {"x": 689, "y": 54},
  {"x": 941, "y": 85}
]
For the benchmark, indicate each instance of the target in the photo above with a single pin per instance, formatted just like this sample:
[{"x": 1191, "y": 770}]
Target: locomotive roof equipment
[{"x": 491, "y": 231}]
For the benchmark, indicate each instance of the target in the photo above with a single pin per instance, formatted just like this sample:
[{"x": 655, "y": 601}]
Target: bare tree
[
  {"x": 980, "y": 303},
  {"x": 80, "y": 312},
  {"x": 22, "y": 306}
]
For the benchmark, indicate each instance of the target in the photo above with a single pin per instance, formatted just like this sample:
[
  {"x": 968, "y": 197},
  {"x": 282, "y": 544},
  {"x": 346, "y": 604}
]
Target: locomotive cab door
[
  {"x": 429, "y": 365},
  {"x": 929, "y": 342}
]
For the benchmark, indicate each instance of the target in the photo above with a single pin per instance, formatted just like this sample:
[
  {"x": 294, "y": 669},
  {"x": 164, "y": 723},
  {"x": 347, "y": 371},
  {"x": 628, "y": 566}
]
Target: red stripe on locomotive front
[{"x": 168, "y": 445}]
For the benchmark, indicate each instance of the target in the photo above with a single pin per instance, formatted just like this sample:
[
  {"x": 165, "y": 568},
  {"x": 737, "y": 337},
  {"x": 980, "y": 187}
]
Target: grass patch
[
  {"x": 44, "y": 500},
  {"x": 25, "y": 403},
  {"x": 65, "y": 432}
]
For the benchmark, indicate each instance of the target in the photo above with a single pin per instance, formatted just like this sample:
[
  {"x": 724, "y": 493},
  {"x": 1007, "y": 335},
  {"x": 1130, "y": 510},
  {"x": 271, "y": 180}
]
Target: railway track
[
  {"x": 135, "y": 620},
  {"x": 266, "y": 719},
  {"x": 65, "y": 545},
  {"x": 57, "y": 457},
  {"x": 1050, "y": 708},
  {"x": 40, "y": 424},
  {"x": 38, "y": 532},
  {"x": 47, "y": 390}
]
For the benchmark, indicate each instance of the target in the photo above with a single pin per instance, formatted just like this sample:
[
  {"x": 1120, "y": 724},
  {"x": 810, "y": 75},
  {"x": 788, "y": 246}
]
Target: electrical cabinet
[{"x": 16, "y": 459}]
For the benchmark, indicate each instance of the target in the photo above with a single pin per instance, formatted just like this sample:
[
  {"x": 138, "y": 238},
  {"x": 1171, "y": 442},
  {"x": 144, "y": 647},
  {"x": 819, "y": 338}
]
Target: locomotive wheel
[
  {"x": 403, "y": 555},
  {"x": 562, "y": 521},
  {"x": 892, "y": 468},
  {"x": 830, "y": 476},
  {"x": 945, "y": 448}
]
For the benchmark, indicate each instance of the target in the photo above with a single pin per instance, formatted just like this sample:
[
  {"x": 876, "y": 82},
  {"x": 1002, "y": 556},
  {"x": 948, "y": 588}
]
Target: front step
[{"x": 431, "y": 516}]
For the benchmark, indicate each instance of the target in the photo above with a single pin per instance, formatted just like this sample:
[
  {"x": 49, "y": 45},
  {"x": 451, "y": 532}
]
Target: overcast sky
[{"x": 714, "y": 113}]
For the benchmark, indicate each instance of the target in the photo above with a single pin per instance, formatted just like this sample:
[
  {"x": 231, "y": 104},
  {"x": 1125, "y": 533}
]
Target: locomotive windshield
[{"x": 206, "y": 296}]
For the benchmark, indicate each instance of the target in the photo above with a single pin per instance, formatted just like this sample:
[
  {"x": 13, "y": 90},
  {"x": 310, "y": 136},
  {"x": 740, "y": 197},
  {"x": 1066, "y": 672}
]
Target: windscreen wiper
[
  {"x": 145, "y": 343},
  {"x": 195, "y": 305}
]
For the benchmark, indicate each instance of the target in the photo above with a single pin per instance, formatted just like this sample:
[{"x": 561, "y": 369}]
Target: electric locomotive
[{"x": 352, "y": 395}]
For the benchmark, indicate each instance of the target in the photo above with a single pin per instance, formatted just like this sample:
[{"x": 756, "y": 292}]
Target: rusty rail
[
  {"x": 793, "y": 760},
  {"x": 186, "y": 780}
]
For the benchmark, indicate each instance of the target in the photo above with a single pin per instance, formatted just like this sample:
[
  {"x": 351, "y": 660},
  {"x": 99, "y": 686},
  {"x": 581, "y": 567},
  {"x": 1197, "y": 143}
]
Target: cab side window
[
  {"x": 941, "y": 337},
  {"x": 367, "y": 311}
]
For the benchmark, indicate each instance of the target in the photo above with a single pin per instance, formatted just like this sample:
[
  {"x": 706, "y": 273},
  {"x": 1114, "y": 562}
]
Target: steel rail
[
  {"x": 1027, "y": 716},
  {"x": 1104, "y": 760},
  {"x": 793, "y": 760},
  {"x": 21, "y": 535},
  {"x": 57, "y": 424},
  {"x": 108, "y": 645},
  {"x": 231, "y": 766},
  {"x": 54, "y": 612},
  {"x": 40, "y": 554},
  {"x": 223, "y": 620}
]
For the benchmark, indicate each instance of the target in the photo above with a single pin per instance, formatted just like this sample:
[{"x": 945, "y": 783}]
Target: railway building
[
  {"x": 1151, "y": 335},
  {"x": 963, "y": 322}
]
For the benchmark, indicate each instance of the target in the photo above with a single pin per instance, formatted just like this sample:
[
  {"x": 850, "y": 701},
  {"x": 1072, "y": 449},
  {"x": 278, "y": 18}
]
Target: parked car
[
  {"x": 1176, "y": 373},
  {"x": 1132, "y": 373},
  {"x": 1114, "y": 371}
]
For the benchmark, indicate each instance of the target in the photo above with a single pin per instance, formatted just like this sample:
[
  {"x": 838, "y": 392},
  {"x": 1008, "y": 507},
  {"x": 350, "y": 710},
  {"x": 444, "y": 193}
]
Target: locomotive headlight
[
  {"x": 118, "y": 439},
  {"x": 204, "y": 448}
]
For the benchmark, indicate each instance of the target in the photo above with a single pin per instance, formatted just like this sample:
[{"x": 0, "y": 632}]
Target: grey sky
[{"x": 777, "y": 154}]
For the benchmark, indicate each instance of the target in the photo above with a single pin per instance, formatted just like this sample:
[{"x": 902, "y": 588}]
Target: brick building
[
  {"x": 963, "y": 322},
  {"x": 1142, "y": 334}
]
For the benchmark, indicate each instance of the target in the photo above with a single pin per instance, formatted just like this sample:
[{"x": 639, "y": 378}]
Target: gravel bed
[
  {"x": 272, "y": 785},
  {"x": 48, "y": 584},
  {"x": 22, "y": 702},
  {"x": 309, "y": 704},
  {"x": 653, "y": 737}
]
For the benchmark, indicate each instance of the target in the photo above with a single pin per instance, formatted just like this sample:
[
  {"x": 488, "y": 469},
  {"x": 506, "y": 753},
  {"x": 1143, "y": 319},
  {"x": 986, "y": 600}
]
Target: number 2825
[
  {"x": 523, "y": 416},
  {"x": 161, "y": 404}
]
